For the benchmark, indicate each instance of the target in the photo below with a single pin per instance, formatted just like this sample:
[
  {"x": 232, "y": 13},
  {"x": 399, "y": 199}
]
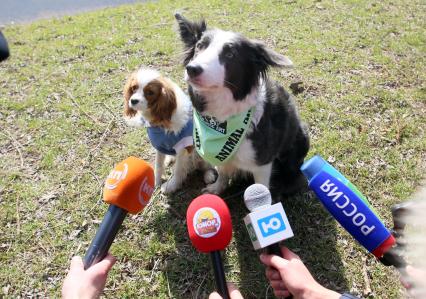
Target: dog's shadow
[
  {"x": 186, "y": 272},
  {"x": 189, "y": 274}
]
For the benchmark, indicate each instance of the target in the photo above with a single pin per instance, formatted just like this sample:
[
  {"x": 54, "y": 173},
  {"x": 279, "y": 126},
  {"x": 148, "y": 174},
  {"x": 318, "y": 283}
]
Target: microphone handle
[
  {"x": 219, "y": 274},
  {"x": 105, "y": 235},
  {"x": 4, "y": 49},
  {"x": 274, "y": 249}
]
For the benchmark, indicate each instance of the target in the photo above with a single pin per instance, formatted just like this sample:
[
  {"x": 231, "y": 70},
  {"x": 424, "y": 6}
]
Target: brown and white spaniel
[{"x": 160, "y": 105}]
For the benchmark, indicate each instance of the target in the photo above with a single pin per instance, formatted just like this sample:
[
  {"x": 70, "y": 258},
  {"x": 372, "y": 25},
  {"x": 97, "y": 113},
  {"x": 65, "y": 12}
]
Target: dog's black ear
[
  {"x": 190, "y": 33},
  {"x": 266, "y": 57}
]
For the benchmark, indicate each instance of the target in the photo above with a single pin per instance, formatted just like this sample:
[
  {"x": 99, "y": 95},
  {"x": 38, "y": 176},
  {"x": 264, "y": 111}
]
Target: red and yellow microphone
[
  {"x": 210, "y": 229},
  {"x": 127, "y": 189}
]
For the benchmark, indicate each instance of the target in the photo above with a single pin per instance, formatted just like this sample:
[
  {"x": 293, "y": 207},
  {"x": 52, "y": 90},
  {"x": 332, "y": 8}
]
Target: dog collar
[{"x": 217, "y": 142}]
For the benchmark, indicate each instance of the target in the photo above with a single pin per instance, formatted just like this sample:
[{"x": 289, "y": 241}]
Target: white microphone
[{"x": 267, "y": 224}]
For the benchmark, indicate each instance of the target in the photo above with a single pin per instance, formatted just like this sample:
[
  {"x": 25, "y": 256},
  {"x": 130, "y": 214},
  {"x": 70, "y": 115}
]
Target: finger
[
  {"x": 282, "y": 294},
  {"x": 272, "y": 274},
  {"x": 76, "y": 263},
  {"x": 406, "y": 284},
  {"x": 415, "y": 272},
  {"x": 105, "y": 265},
  {"x": 234, "y": 293},
  {"x": 273, "y": 261},
  {"x": 278, "y": 285},
  {"x": 288, "y": 254},
  {"x": 215, "y": 295}
]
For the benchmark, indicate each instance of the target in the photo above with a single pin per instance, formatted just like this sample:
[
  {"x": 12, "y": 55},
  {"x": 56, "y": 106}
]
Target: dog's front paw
[
  {"x": 169, "y": 160},
  {"x": 215, "y": 188},
  {"x": 210, "y": 176},
  {"x": 170, "y": 186}
]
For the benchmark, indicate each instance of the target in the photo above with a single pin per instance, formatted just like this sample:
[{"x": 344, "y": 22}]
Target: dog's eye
[
  {"x": 149, "y": 93},
  {"x": 199, "y": 46},
  {"x": 229, "y": 55}
]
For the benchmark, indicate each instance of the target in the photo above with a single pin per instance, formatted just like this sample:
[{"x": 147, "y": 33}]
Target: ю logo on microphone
[
  {"x": 206, "y": 222},
  {"x": 116, "y": 176},
  {"x": 271, "y": 224}
]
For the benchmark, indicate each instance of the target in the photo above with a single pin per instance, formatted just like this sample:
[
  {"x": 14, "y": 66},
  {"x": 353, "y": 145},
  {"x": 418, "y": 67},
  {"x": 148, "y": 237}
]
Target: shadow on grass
[
  {"x": 315, "y": 241},
  {"x": 189, "y": 274}
]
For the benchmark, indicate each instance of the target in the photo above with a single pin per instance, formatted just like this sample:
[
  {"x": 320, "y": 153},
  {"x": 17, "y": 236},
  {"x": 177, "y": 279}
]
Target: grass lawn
[{"x": 362, "y": 68}]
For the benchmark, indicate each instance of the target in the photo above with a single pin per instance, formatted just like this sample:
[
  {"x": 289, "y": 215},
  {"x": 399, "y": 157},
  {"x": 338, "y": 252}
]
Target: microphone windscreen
[
  {"x": 257, "y": 196},
  {"x": 130, "y": 185},
  {"x": 209, "y": 223}
]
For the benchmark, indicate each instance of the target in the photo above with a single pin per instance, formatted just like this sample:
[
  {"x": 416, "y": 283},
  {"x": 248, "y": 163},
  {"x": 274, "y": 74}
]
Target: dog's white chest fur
[{"x": 244, "y": 158}]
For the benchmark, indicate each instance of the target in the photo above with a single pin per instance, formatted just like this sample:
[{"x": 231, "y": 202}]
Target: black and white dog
[{"x": 227, "y": 75}]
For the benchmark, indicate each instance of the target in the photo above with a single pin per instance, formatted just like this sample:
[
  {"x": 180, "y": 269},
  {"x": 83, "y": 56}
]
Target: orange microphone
[{"x": 127, "y": 189}]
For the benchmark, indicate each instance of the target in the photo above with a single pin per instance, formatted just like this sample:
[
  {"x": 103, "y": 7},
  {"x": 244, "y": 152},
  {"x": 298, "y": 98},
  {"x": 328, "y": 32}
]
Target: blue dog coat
[{"x": 168, "y": 142}]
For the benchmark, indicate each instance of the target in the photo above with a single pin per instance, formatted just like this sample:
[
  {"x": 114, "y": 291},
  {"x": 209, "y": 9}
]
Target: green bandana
[{"x": 216, "y": 142}]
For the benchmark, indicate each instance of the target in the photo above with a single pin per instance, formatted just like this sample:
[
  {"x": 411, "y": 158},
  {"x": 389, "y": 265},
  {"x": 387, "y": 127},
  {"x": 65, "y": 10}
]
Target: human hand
[
  {"x": 289, "y": 276},
  {"x": 415, "y": 281},
  {"x": 234, "y": 293},
  {"x": 86, "y": 284}
]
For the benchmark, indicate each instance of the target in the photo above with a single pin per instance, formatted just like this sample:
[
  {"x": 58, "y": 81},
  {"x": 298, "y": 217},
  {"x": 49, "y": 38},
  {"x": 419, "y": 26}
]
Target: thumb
[
  {"x": 273, "y": 261},
  {"x": 76, "y": 264},
  {"x": 105, "y": 265},
  {"x": 288, "y": 254},
  {"x": 234, "y": 293},
  {"x": 215, "y": 295}
]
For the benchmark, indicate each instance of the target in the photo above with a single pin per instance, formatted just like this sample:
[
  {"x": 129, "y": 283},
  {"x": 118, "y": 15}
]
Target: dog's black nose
[
  {"x": 193, "y": 71},
  {"x": 134, "y": 101}
]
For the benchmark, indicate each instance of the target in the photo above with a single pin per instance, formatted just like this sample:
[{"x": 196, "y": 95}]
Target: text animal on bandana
[{"x": 216, "y": 142}]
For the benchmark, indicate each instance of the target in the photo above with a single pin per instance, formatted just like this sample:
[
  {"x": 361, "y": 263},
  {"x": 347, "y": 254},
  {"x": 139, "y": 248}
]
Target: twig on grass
[
  {"x": 18, "y": 218},
  {"x": 168, "y": 285},
  {"x": 114, "y": 115},
  {"x": 97, "y": 203},
  {"x": 106, "y": 131},
  {"x": 72, "y": 98},
  {"x": 96, "y": 178},
  {"x": 93, "y": 152},
  {"x": 267, "y": 291},
  {"x": 15, "y": 144},
  {"x": 201, "y": 283},
  {"x": 174, "y": 211},
  {"x": 399, "y": 132},
  {"x": 367, "y": 290},
  {"x": 153, "y": 270},
  {"x": 151, "y": 202},
  {"x": 42, "y": 247},
  {"x": 44, "y": 229}
]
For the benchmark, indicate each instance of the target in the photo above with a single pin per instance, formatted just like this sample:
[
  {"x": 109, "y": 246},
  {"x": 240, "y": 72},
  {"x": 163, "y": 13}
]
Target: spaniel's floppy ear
[
  {"x": 190, "y": 33},
  {"x": 163, "y": 107},
  {"x": 129, "y": 88}
]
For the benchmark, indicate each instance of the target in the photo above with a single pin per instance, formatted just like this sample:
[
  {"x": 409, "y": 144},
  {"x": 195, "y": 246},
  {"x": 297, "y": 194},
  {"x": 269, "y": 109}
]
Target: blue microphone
[{"x": 348, "y": 206}]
